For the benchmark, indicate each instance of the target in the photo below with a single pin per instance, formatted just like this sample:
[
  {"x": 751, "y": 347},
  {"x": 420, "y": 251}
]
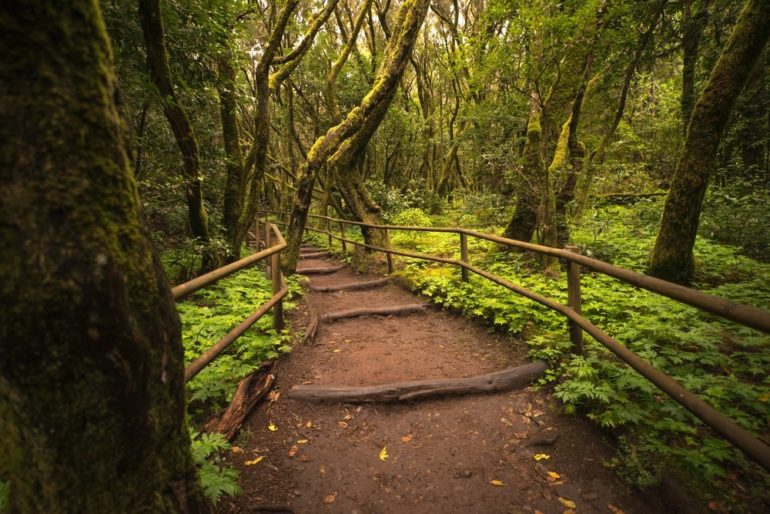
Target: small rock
[
  {"x": 466, "y": 473},
  {"x": 546, "y": 437},
  {"x": 297, "y": 492}
]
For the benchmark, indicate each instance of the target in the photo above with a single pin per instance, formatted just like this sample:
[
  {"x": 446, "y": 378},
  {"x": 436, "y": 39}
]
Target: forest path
[{"x": 454, "y": 454}]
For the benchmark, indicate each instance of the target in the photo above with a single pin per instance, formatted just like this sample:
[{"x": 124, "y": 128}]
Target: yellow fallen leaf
[
  {"x": 541, "y": 456},
  {"x": 567, "y": 502},
  {"x": 618, "y": 510},
  {"x": 252, "y": 462},
  {"x": 384, "y": 453},
  {"x": 273, "y": 396},
  {"x": 322, "y": 470},
  {"x": 302, "y": 441},
  {"x": 497, "y": 483},
  {"x": 236, "y": 449},
  {"x": 309, "y": 424},
  {"x": 336, "y": 350},
  {"x": 406, "y": 438},
  {"x": 293, "y": 451},
  {"x": 271, "y": 427},
  {"x": 330, "y": 498},
  {"x": 554, "y": 475}
]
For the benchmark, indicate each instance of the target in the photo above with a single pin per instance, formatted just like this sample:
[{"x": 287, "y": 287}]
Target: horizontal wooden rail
[
  {"x": 209, "y": 278},
  {"x": 214, "y": 351},
  {"x": 756, "y": 318},
  {"x": 279, "y": 288}
]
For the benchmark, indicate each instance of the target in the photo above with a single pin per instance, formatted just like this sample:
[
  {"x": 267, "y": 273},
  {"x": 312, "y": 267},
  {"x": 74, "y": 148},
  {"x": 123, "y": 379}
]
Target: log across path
[{"x": 417, "y": 443}]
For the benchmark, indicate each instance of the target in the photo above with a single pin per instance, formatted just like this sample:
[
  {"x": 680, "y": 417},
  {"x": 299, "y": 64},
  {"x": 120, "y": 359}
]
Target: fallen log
[
  {"x": 313, "y": 255},
  {"x": 352, "y": 286},
  {"x": 250, "y": 391},
  {"x": 506, "y": 380},
  {"x": 374, "y": 311},
  {"x": 320, "y": 271}
]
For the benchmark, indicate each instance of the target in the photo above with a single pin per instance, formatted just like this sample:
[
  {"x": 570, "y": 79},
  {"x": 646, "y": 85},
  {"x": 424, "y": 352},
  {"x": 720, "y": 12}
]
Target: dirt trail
[{"x": 471, "y": 454}]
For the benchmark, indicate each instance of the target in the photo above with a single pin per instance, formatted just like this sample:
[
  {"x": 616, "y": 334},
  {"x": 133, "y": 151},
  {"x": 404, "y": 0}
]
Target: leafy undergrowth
[
  {"x": 207, "y": 316},
  {"x": 722, "y": 362}
]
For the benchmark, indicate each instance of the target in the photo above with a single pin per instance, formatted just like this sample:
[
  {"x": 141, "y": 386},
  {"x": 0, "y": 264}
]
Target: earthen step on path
[
  {"x": 313, "y": 255},
  {"x": 374, "y": 311},
  {"x": 351, "y": 286},
  {"x": 320, "y": 270}
]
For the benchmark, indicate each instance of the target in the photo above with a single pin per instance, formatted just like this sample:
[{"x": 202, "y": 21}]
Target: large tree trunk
[
  {"x": 672, "y": 257},
  {"x": 91, "y": 361},
  {"x": 157, "y": 62},
  {"x": 338, "y": 139}
]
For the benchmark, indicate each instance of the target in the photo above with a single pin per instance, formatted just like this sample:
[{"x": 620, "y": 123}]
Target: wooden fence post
[
  {"x": 268, "y": 244},
  {"x": 342, "y": 234},
  {"x": 464, "y": 255},
  {"x": 389, "y": 256},
  {"x": 574, "y": 301},
  {"x": 276, "y": 276},
  {"x": 329, "y": 230}
]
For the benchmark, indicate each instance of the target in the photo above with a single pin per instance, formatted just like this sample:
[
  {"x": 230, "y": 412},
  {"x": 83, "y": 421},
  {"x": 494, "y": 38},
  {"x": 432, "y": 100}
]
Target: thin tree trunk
[
  {"x": 157, "y": 62},
  {"x": 672, "y": 257},
  {"x": 91, "y": 361}
]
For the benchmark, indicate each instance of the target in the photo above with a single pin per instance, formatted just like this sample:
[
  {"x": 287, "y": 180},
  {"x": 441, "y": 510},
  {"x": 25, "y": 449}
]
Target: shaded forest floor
[{"x": 505, "y": 452}]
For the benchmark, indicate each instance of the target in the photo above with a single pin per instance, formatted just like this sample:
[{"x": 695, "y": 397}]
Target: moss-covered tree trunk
[
  {"x": 672, "y": 257},
  {"x": 337, "y": 140},
  {"x": 524, "y": 221},
  {"x": 91, "y": 362},
  {"x": 157, "y": 63},
  {"x": 234, "y": 183}
]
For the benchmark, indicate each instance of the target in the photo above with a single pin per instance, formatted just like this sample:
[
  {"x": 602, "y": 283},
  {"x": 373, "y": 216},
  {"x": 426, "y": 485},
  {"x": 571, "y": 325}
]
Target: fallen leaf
[
  {"x": 521, "y": 435},
  {"x": 713, "y": 505},
  {"x": 293, "y": 451},
  {"x": 271, "y": 427},
  {"x": 568, "y": 511},
  {"x": 236, "y": 449},
  {"x": 273, "y": 396},
  {"x": 384, "y": 453},
  {"x": 309, "y": 424},
  {"x": 336, "y": 350},
  {"x": 567, "y": 502},
  {"x": 302, "y": 441},
  {"x": 322, "y": 470},
  {"x": 496, "y": 483},
  {"x": 406, "y": 438},
  {"x": 252, "y": 462},
  {"x": 342, "y": 424},
  {"x": 506, "y": 422},
  {"x": 348, "y": 417},
  {"x": 330, "y": 498},
  {"x": 541, "y": 456},
  {"x": 554, "y": 475}
]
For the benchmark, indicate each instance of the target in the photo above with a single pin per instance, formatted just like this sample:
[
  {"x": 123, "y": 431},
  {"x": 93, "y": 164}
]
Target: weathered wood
[
  {"x": 313, "y": 255},
  {"x": 464, "y": 256},
  {"x": 320, "y": 271},
  {"x": 250, "y": 391},
  {"x": 277, "y": 279},
  {"x": 312, "y": 328},
  {"x": 505, "y": 380},
  {"x": 574, "y": 301},
  {"x": 374, "y": 311},
  {"x": 351, "y": 286}
]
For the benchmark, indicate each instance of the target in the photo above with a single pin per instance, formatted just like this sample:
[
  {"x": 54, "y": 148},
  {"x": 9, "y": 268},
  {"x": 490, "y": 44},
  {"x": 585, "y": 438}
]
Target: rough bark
[
  {"x": 672, "y": 257},
  {"x": 505, "y": 380},
  {"x": 693, "y": 22},
  {"x": 157, "y": 63},
  {"x": 91, "y": 360},
  {"x": 411, "y": 16}
]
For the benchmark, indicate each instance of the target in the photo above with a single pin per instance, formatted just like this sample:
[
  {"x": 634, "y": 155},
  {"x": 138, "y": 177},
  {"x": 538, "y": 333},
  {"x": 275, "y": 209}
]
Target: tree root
[{"x": 353, "y": 286}]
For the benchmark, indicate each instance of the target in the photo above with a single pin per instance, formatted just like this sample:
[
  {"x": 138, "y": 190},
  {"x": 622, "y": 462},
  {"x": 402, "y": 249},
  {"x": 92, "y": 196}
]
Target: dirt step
[
  {"x": 313, "y": 255},
  {"x": 374, "y": 311},
  {"x": 351, "y": 286},
  {"x": 320, "y": 271}
]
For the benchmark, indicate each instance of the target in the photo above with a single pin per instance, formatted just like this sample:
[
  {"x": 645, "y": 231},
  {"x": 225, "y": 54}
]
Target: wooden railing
[
  {"x": 273, "y": 252},
  {"x": 746, "y": 315}
]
